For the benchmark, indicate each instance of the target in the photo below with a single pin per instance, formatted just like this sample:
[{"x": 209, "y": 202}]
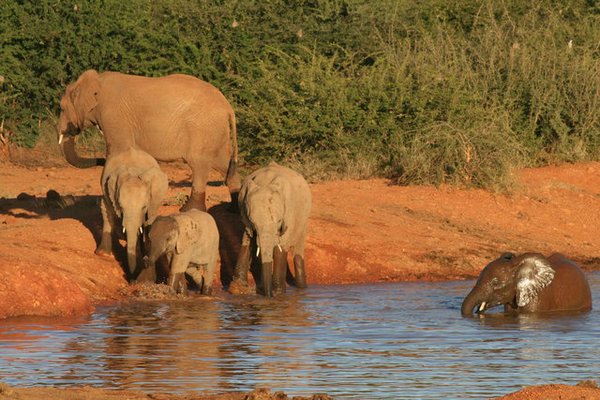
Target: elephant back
[{"x": 569, "y": 290}]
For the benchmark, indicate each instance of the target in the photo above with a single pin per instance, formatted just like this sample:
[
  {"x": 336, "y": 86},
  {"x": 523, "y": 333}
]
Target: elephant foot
[
  {"x": 105, "y": 246},
  {"x": 147, "y": 274},
  {"x": 206, "y": 290},
  {"x": 300, "y": 279},
  {"x": 103, "y": 252},
  {"x": 196, "y": 201},
  {"x": 238, "y": 287}
]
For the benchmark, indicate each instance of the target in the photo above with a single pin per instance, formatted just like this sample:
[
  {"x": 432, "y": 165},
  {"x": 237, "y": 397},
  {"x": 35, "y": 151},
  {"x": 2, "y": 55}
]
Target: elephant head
[
  {"x": 162, "y": 238},
  {"x": 513, "y": 281},
  {"x": 266, "y": 222},
  {"x": 130, "y": 197},
  {"x": 76, "y": 114},
  {"x": 169, "y": 236}
]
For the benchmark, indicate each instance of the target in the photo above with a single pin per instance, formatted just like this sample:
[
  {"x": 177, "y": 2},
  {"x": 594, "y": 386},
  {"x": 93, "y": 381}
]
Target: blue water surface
[{"x": 377, "y": 341}]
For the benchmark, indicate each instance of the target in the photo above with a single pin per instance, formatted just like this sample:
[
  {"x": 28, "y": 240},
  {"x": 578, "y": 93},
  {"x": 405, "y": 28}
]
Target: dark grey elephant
[
  {"x": 172, "y": 117},
  {"x": 133, "y": 188},
  {"x": 530, "y": 283},
  {"x": 275, "y": 205},
  {"x": 189, "y": 241}
]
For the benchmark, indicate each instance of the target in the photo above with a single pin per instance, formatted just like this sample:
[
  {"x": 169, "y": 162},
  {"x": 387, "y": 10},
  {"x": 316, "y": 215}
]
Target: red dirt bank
[{"x": 360, "y": 231}]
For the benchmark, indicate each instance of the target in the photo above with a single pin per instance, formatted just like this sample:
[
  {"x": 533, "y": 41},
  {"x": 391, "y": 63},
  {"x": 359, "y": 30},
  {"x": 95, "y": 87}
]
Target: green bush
[{"x": 421, "y": 92}]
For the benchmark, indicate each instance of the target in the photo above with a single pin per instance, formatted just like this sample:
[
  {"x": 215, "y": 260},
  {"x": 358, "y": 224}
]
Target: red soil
[{"x": 360, "y": 231}]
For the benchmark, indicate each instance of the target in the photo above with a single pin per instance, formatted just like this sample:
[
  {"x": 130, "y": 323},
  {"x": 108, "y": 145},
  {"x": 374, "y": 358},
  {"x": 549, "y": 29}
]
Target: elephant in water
[
  {"x": 530, "y": 283},
  {"x": 190, "y": 243},
  {"x": 133, "y": 188},
  {"x": 172, "y": 117},
  {"x": 275, "y": 205}
]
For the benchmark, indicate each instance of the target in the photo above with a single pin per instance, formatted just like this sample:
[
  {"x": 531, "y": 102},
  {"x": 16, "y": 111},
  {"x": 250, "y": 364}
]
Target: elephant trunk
[
  {"x": 132, "y": 237},
  {"x": 470, "y": 302},
  {"x": 67, "y": 144},
  {"x": 266, "y": 244},
  {"x": 267, "y": 278}
]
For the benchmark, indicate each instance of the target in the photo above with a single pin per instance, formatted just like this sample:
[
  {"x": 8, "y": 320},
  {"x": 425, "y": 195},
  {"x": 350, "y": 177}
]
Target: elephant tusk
[
  {"x": 123, "y": 230},
  {"x": 279, "y": 247},
  {"x": 141, "y": 230},
  {"x": 257, "y": 250},
  {"x": 481, "y": 307},
  {"x": 60, "y": 138}
]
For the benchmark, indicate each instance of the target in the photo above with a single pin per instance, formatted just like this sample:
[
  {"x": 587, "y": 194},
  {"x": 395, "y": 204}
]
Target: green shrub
[{"x": 421, "y": 92}]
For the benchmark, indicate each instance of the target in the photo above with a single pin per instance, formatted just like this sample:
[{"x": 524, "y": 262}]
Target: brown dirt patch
[
  {"x": 89, "y": 393},
  {"x": 585, "y": 390}
]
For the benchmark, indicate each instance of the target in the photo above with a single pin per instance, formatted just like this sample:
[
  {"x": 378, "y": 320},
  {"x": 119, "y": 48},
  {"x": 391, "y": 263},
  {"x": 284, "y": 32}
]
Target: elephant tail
[{"x": 233, "y": 161}]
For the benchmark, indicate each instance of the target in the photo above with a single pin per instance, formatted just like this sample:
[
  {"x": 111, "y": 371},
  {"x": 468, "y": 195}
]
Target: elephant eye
[{"x": 495, "y": 282}]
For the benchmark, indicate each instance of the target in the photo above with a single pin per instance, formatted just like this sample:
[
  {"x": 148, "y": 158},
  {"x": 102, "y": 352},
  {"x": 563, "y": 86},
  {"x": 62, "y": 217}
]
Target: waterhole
[{"x": 377, "y": 341}]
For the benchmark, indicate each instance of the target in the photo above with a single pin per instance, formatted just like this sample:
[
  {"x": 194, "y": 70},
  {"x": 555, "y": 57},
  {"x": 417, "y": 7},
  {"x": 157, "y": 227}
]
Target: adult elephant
[
  {"x": 172, "y": 117},
  {"x": 275, "y": 204},
  {"x": 530, "y": 283}
]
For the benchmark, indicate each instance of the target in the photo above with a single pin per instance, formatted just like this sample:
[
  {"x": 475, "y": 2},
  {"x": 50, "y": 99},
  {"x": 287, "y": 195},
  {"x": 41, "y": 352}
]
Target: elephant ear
[
  {"x": 83, "y": 95},
  {"x": 158, "y": 184},
  {"x": 281, "y": 192},
  {"x": 248, "y": 187},
  {"x": 187, "y": 233},
  {"x": 112, "y": 189},
  {"x": 533, "y": 274}
]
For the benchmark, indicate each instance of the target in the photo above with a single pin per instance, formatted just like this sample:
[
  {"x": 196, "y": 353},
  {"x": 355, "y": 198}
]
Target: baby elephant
[
  {"x": 133, "y": 188},
  {"x": 190, "y": 243},
  {"x": 275, "y": 205},
  {"x": 530, "y": 283}
]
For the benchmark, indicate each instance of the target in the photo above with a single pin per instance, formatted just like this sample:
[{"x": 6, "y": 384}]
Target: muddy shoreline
[{"x": 360, "y": 232}]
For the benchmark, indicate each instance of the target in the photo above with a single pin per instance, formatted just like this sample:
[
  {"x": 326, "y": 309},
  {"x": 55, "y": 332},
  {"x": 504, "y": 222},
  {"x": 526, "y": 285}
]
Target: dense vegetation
[{"x": 422, "y": 92}]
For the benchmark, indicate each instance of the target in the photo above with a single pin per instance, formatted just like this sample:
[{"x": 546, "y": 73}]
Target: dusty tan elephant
[
  {"x": 530, "y": 283},
  {"x": 133, "y": 188},
  {"x": 275, "y": 205},
  {"x": 172, "y": 117},
  {"x": 190, "y": 243}
]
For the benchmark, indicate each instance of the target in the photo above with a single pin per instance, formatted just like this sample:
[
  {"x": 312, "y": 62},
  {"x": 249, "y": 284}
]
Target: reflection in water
[{"x": 404, "y": 340}]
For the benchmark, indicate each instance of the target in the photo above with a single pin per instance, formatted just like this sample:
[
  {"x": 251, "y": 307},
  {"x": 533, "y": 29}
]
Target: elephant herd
[
  {"x": 171, "y": 118},
  {"x": 179, "y": 117}
]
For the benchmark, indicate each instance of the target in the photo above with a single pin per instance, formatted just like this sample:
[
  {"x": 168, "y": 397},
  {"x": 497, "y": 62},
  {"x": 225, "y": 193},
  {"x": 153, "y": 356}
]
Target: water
[{"x": 379, "y": 341}]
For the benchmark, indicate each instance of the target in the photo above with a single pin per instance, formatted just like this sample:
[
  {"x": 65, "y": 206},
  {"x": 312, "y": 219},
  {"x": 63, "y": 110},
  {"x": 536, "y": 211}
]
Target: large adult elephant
[
  {"x": 172, "y": 117},
  {"x": 530, "y": 283}
]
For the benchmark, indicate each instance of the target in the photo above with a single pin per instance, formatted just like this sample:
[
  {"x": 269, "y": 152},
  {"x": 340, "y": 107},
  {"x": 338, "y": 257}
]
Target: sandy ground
[{"x": 360, "y": 231}]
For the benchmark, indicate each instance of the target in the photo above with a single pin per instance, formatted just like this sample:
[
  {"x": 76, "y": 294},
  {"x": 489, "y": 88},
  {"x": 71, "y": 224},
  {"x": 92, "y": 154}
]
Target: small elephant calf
[
  {"x": 133, "y": 188},
  {"x": 190, "y": 243}
]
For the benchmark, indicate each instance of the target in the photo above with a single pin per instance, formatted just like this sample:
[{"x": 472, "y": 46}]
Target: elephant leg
[
  {"x": 177, "y": 280},
  {"x": 197, "y": 198},
  {"x": 279, "y": 270},
  {"x": 209, "y": 276},
  {"x": 300, "y": 272},
  {"x": 178, "y": 283},
  {"x": 195, "y": 271},
  {"x": 207, "y": 279},
  {"x": 240, "y": 272},
  {"x": 105, "y": 246},
  {"x": 148, "y": 272}
]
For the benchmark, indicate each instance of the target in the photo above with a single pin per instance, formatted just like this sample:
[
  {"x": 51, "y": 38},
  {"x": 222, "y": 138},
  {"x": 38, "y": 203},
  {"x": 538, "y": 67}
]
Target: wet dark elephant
[{"x": 530, "y": 283}]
